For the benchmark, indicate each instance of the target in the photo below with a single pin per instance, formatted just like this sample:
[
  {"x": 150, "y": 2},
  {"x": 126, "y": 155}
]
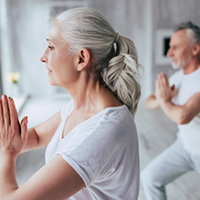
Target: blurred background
[
  {"x": 25, "y": 25},
  {"x": 149, "y": 23}
]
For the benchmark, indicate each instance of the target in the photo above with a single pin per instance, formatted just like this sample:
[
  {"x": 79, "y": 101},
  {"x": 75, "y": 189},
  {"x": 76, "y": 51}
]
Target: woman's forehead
[{"x": 55, "y": 36}]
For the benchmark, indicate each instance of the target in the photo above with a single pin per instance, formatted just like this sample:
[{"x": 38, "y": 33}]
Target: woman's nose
[{"x": 43, "y": 58}]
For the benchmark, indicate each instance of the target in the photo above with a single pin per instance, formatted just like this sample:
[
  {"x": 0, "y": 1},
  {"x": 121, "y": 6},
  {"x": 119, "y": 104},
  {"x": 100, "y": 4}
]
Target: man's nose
[{"x": 169, "y": 53}]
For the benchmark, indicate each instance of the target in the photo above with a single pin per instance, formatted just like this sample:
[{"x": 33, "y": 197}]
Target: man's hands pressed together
[{"x": 163, "y": 90}]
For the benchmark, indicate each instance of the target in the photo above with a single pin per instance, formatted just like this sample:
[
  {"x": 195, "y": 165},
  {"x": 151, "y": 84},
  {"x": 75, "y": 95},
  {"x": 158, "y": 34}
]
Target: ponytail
[{"x": 122, "y": 75}]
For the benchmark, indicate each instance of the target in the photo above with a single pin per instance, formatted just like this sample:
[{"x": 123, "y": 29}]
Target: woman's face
[{"x": 60, "y": 65}]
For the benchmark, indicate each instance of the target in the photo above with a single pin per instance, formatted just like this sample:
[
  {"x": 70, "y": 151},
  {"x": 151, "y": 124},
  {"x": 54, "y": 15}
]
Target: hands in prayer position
[
  {"x": 13, "y": 135},
  {"x": 163, "y": 90}
]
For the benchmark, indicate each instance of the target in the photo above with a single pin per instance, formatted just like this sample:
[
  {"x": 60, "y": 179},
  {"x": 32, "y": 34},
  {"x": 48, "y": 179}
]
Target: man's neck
[{"x": 191, "y": 67}]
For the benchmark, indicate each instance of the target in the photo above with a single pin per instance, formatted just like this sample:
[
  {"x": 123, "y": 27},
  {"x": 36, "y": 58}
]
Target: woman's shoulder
[
  {"x": 116, "y": 121},
  {"x": 118, "y": 115}
]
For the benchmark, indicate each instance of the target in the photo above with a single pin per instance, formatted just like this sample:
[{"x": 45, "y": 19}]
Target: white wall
[
  {"x": 24, "y": 37},
  {"x": 27, "y": 24}
]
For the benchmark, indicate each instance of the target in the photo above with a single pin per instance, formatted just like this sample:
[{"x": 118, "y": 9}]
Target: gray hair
[
  {"x": 193, "y": 32},
  {"x": 114, "y": 57}
]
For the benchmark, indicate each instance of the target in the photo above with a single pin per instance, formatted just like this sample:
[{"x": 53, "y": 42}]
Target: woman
[{"x": 92, "y": 150}]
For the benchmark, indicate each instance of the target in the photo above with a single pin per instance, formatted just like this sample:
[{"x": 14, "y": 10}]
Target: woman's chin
[{"x": 52, "y": 82}]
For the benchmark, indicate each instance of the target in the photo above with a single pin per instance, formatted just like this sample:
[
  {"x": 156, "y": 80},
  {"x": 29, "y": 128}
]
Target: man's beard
[{"x": 181, "y": 64}]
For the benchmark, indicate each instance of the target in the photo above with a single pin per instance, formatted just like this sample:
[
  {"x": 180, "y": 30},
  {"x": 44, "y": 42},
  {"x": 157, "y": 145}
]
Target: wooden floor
[{"x": 155, "y": 130}]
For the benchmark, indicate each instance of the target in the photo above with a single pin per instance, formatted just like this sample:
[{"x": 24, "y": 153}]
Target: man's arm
[
  {"x": 182, "y": 114},
  {"x": 152, "y": 103}
]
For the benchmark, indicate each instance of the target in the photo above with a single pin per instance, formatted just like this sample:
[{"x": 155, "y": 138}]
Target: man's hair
[{"x": 192, "y": 30}]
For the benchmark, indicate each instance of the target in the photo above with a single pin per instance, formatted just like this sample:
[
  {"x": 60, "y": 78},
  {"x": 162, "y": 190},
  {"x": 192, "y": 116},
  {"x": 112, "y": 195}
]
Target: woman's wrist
[
  {"x": 8, "y": 181},
  {"x": 6, "y": 156}
]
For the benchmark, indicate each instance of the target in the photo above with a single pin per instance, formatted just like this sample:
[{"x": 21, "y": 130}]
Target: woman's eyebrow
[{"x": 49, "y": 40}]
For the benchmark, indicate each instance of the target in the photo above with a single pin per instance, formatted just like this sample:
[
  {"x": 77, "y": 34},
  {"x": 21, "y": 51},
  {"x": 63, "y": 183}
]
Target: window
[{"x": 162, "y": 39}]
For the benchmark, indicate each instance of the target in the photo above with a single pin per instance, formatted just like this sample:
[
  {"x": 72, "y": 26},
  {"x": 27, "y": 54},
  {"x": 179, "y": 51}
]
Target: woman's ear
[{"x": 83, "y": 59}]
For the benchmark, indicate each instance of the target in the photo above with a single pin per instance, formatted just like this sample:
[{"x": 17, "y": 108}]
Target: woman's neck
[{"x": 91, "y": 96}]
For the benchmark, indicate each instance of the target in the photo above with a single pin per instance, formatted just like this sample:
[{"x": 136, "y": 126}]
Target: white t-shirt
[
  {"x": 104, "y": 152},
  {"x": 187, "y": 85}
]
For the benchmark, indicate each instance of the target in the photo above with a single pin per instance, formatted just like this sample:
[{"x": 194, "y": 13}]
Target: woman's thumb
[{"x": 24, "y": 128}]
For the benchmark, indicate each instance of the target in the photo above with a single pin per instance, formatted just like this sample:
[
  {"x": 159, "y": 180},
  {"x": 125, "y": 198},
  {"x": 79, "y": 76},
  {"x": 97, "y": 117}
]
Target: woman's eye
[{"x": 50, "y": 47}]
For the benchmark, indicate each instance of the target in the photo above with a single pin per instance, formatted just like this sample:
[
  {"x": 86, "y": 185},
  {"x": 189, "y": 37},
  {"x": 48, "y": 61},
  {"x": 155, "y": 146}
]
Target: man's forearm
[
  {"x": 174, "y": 112},
  {"x": 152, "y": 103}
]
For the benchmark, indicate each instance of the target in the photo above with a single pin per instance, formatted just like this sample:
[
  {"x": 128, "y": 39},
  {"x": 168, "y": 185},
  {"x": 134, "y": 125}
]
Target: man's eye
[{"x": 50, "y": 47}]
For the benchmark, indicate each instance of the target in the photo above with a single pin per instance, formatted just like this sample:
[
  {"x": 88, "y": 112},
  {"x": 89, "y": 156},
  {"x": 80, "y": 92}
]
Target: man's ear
[
  {"x": 196, "y": 49},
  {"x": 83, "y": 59}
]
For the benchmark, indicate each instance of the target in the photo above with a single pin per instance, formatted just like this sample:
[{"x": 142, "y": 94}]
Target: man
[{"x": 179, "y": 98}]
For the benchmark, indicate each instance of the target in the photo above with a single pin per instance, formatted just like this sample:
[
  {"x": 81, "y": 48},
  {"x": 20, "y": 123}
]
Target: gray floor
[{"x": 155, "y": 131}]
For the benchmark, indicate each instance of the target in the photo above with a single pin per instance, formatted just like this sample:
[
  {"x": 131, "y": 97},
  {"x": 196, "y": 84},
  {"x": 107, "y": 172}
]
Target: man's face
[{"x": 180, "y": 50}]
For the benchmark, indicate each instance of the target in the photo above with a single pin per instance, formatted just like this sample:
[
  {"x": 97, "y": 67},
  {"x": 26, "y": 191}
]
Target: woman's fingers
[
  {"x": 24, "y": 129},
  {"x": 6, "y": 115},
  {"x": 13, "y": 114},
  {"x": 13, "y": 135},
  {"x": 1, "y": 114}
]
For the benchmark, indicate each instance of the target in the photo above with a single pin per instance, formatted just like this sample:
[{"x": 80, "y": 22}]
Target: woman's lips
[{"x": 49, "y": 71}]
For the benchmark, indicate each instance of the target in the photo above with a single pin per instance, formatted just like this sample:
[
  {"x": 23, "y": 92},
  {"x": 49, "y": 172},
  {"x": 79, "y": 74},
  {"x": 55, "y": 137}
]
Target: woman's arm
[
  {"x": 40, "y": 135},
  {"x": 56, "y": 180}
]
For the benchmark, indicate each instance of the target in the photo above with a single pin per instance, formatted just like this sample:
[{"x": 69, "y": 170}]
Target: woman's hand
[{"x": 13, "y": 135}]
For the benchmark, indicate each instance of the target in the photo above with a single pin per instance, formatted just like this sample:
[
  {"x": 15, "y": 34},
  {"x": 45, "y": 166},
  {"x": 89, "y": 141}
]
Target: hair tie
[{"x": 116, "y": 37}]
